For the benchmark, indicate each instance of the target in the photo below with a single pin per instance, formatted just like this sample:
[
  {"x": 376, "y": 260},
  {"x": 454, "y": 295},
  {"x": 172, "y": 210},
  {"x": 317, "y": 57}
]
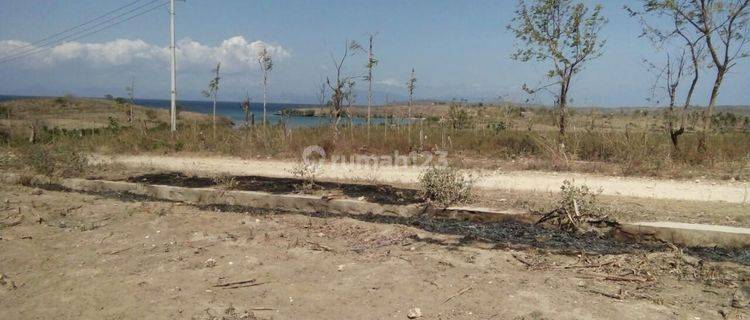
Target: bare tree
[
  {"x": 322, "y": 87},
  {"x": 411, "y": 84},
  {"x": 560, "y": 31},
  {"x": 671, "y": 74},
  {"x": 130, "y": 90},
  {"x": 213, "y": 92},
  {"x": 266, "y": 65},
  {"x": 673, "y": 70},
  {"x": 723, "y": 26},
  {"x": 246, "y": 110},
  {"x": 371, "y": 63},
  {"x": 342, "y": 86}
]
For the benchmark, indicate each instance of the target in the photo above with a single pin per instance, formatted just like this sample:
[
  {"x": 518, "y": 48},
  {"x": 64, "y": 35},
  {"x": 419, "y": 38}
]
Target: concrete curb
[{"x": 693, "y": 235}]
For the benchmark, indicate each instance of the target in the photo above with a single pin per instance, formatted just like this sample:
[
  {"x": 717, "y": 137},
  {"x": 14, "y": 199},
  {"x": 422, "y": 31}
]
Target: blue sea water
[{"x": 233, "y": 110}]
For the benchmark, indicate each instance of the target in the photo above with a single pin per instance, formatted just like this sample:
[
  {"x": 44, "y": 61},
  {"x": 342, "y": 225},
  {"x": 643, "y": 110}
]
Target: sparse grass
[
  {"x": 58, "y": 160},
  {"x": 629, "y": 143}
]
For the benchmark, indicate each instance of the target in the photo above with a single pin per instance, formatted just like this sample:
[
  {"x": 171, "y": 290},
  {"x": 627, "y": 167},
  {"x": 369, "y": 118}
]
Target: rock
[
  {"x": 210, "y": 263},
  {"x": 741, "y": 297},
  {"x": 414, "y": 313},
  {"x": 693, "y": 261}
]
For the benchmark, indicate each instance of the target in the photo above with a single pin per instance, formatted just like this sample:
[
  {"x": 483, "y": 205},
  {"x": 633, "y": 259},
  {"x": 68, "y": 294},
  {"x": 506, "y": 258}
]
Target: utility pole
[{"x": 173, "y": 109}]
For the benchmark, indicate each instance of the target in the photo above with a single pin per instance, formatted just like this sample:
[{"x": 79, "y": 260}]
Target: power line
[
  {"x": 86, "y": 31},
  {"x": 75, "y": 27},
  {"x": 75, "y": 34}
]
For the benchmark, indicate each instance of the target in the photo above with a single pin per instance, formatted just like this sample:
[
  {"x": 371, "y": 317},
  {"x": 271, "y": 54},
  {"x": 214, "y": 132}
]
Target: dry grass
[{"x": 639, "y": 149}]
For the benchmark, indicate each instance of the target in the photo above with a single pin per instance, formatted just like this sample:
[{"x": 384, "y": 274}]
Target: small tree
[
  {"x": 563, "y": 32},
  {"x": 371, "y": 63},
  {"x": 213, "y": 92},
  {"x": 246, "y": 110},
  {"x": 266, "y": 64},
  {"x": 411, "y": 84},
  {"x": 342, "y": 87},
  {"x": 663, "y": 36},
  {"x": 131, "y": 94}
]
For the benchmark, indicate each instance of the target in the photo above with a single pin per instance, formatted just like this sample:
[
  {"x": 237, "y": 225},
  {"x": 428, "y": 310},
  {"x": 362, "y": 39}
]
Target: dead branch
[
  {"x": 239, "y": 284},
  {"x": 464, "y": 290},
  {"x": 610, "y": 277}
]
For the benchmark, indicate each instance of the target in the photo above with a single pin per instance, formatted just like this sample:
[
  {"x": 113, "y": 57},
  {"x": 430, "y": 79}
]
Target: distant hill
[{"x": 86, "y": 113}]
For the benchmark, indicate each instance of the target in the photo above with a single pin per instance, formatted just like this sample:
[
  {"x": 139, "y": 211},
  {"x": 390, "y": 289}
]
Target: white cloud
[
  {"x": 391, "y": 83},
  {"x": 236, "y": 54}
]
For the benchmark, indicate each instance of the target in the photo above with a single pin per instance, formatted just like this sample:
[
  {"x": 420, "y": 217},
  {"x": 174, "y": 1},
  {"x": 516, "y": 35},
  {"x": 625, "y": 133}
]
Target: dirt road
[
  {"x": 78, "y": 256},
  {"x": 732, "y": 192}
]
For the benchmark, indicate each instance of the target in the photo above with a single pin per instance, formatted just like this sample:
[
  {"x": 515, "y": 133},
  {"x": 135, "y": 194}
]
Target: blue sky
[{"x": 460, "y": 49}]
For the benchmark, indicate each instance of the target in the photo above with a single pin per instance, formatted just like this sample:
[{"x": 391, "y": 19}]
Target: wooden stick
[
  {"x": 609, "y": 295},
  {"x": 611, "y": 277},
  {"x": 464, "y": 290},
  {"x": 522, "y": 260},
  {"x": 239, "y": 284}
]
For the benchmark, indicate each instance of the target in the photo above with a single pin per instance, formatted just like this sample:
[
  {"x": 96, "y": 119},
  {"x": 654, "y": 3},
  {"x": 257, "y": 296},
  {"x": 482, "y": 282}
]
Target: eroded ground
[{"x": 80, "y": 256}]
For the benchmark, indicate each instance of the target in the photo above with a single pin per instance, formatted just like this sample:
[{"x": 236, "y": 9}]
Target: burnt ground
[{"x": 384, "y": 194}]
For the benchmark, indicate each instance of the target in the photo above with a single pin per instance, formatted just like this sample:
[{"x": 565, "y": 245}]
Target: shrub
[
  {"x": 579, "y": 200},
  {"x": 151, "y": 114},
  {"x": 458, "y": 117},
  {"x": 445, "y": 186},
  {"x": 307, "y": 173},
  {"x": 577, "y": 208},
  {"x": 226, "y": 182},
  {"x": 54, "y": 160}
]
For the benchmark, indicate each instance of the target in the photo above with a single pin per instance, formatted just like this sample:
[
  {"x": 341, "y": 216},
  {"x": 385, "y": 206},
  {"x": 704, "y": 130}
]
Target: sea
[{"x": 233, "y": 110}]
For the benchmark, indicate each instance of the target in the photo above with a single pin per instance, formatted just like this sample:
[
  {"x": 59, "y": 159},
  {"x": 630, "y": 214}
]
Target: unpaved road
[
  {"x": 731, "y": 192},
  {"x": 78, "y": 256}
]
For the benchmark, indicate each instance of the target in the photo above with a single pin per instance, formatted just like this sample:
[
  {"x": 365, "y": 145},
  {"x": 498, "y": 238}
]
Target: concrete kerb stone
[{"x": 678, "y": 233}]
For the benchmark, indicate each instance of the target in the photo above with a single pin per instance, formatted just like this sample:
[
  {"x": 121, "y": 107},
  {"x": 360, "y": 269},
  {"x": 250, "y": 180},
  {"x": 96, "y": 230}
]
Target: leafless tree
[
  {"x": 130, "y": 90},
  {"x": 371, "y": 63},
  {"x": 723, "y": 26},
  {"x": 246, "y": 110},
  {"x": 664, "y": 37},
  {"x": 342, "y": 86},
  {"x": 213, "y": 92},
  {"x": 411, "y": 84},
  {"x": 266, "y": 65}
]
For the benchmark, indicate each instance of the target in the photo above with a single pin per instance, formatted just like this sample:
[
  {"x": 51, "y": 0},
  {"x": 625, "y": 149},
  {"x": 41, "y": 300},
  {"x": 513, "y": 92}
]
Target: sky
[{"x": 459, "y": 50}]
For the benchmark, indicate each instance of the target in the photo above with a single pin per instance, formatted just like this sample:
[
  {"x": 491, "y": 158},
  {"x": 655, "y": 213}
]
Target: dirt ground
[{"x": 81, "y": 256}]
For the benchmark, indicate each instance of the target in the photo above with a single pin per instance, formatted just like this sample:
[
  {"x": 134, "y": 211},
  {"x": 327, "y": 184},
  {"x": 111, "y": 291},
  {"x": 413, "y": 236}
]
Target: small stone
[
  {"x": 340, "y": 268},
  {"x": 414, "y": 313},
  {"x": 210, "y": 263},
  {"x": 741, "y": 297}
]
